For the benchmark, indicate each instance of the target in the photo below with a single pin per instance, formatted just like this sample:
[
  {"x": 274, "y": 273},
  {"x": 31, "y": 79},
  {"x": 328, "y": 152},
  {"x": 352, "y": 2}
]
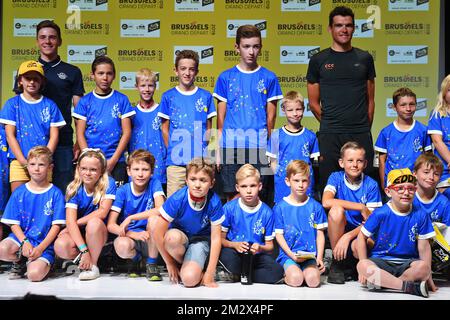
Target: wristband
[
  {"x": 23, "y": 241},
  {"x": 83, "y": 246},
  {"x": 85, "y": 251}
]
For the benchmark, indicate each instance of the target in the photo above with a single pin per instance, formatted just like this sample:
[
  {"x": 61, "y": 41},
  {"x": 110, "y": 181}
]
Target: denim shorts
[
  {"x": 197, "y": 251},
  {"x": 48, "y": 255},
  {"x": 303, "y": 265}
]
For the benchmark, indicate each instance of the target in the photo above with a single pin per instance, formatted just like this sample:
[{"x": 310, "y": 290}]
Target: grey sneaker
[
  {"x": 225, "y": 276},
  {"x": 152, "y": 272},
  {"x": 18, "y": 269},
  {"x": 418, "y": 288}
]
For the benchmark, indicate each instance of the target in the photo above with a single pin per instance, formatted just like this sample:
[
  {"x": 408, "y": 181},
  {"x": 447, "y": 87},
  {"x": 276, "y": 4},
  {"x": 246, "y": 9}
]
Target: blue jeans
[{"x": 63, "y": 169}]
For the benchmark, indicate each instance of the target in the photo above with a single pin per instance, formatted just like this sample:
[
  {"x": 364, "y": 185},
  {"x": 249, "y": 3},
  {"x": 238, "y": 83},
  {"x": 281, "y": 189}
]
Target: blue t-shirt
[
  {"x": 440, "y": 125},
  {"x": 396, "y": 234},
  {"x": 4, "y": 170},
  {"x": 32, "y": 119},
  {"x": 35, "y": 212},
  {"x": 246, "y": 94},
  {"x": 82, "y": 201},
  {"x": 402, "y": 146},
  {"x": 437, "y": 208},
  {"x": 243, "y": 224},
  {"x": 298, "y": 223},
  {"x": 182, "y": 215},
  {"x": 188, "y": 113},
  {"x": 127, "y": 203},
  {"x": 103, "y": 116},
  {"x": 147, "y": 135},
  {"x": 286, "y": 146},
  {"x": 367, "y": 192}
]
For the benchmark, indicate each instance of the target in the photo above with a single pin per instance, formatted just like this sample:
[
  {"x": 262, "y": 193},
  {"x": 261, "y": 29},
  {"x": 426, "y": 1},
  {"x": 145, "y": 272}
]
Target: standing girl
[
  {"x": 439, "y": 130},
  {"x": 103, "y": 119}
]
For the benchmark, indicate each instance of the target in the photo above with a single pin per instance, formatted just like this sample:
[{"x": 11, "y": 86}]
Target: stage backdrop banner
[{"x": 402, "y": 36}]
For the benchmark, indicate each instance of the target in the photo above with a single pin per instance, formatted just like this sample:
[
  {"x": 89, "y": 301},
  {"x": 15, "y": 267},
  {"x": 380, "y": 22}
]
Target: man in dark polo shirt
[
  {"x": 64, "y": 86},
  {"x": 341, "y": 90}
]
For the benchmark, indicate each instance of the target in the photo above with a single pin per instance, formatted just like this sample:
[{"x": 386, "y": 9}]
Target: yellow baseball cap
[
  {"x": 398, "y": 176},
  {"x": 30, "y": 65}
]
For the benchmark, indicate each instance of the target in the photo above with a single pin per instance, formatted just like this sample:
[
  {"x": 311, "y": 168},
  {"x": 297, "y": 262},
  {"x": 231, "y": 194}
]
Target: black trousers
[{"x": 265, "y": 268}]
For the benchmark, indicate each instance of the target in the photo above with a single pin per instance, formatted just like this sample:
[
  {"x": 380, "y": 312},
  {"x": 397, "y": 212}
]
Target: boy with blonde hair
[
  {"x": 35, "y": 213},
  {"x": 248, "y": 228},
  {"x": 146, "y": 133},
  {"x": 187, "y": 229},
  {"x": 350, "y": 196},
  {"x": 300, "y": 222},
  {"x": 291, "y": 142}
]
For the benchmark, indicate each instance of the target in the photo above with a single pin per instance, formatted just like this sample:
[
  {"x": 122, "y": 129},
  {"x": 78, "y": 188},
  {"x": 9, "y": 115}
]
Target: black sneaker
[
  {"x": 133, "y": 269},
  {"x": 18, "y": 269},
  {"x": 418, "y": 288},
  {"x": 152, "y": 272},
  {"x": 350, "y": 271},
  {"x": 336, "y": 274}
]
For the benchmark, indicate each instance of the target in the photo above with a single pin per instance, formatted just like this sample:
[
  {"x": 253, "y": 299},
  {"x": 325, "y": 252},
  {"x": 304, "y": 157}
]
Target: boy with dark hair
[
  {"x": 428, "y": 169},
  {"x": 247, "y": 97},
  {"x": 401, "y": 142},
  {"x": 131, "y": 211},
  {"x": 186, "y": 114}
]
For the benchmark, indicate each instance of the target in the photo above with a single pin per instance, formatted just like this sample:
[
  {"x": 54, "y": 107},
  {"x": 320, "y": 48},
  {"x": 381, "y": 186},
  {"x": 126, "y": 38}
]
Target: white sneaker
[{"x": 92, "y": 274}]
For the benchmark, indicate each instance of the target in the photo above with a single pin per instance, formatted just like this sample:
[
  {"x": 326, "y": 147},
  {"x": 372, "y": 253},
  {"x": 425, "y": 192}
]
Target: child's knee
[
  {"x": 94, "y": 226},
  {"x": 7, "y": 249},
  {"x": 190, "y": 277},
  {"x": 312, "y": 278},
  {"x": 36, "y": 274},
  {"x": 336, "y": 213},
  {"x": 173, "y": 239},
  {"x": 3, "y": 250},
  {"x": 294, "y": 278},
  {"x": 124, "y": 247},
  {"x": 423, "y": 270},
  {"x": 64, "y": 248}
]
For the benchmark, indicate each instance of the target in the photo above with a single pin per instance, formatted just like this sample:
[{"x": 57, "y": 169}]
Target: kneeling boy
[{"x": 189, "y": 227}]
